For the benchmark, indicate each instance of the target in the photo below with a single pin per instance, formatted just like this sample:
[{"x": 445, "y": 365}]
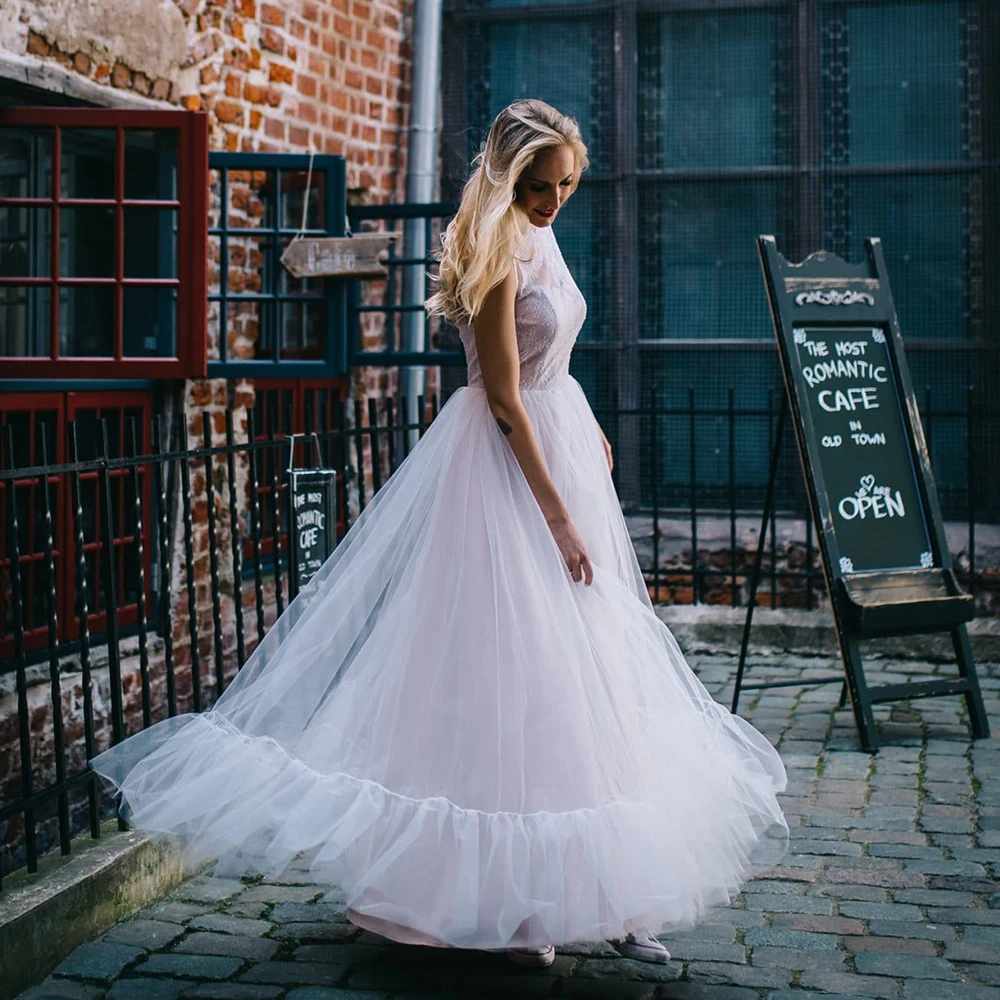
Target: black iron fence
[{"x": 172, "y": 561}]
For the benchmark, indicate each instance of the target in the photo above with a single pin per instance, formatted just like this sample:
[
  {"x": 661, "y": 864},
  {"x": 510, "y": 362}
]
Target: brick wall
[
  {"x": 329, "y": 75},
  {"x": 332, "y": 75}
]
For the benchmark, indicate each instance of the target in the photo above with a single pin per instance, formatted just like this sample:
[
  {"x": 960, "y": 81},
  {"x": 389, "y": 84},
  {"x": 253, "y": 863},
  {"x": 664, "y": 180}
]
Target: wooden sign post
[
  {"x": 337, "y": 256},
  {"x": 312, "y": 518},
  {"x": 868, "y": 476}
]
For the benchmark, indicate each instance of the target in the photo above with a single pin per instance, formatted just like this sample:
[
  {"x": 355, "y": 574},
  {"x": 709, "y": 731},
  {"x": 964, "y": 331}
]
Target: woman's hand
[{"x": 571, "y": 546}]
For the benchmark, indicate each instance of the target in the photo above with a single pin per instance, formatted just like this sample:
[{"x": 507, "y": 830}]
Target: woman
[{"x": 472, "y": 715}]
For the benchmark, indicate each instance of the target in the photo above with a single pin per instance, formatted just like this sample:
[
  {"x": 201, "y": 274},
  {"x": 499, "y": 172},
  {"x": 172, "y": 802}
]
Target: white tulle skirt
[{"x": 480, "y": 751}]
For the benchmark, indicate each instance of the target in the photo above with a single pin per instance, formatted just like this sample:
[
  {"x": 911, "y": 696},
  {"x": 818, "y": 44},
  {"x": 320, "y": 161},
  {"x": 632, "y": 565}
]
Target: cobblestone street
[{"x": 889, "y": 890}]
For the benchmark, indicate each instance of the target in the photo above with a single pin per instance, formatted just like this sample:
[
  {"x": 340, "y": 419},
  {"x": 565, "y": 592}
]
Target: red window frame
[
  {"x": 65, "y": 407},
  {"x": 128, "y": 613},
  {"x": 300, "y": 389},
  {"x": 191, "y": 205}
]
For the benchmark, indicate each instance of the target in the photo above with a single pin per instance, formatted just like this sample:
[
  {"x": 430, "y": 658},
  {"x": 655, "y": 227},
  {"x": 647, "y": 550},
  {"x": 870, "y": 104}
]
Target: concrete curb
[
  {"x": 714, "y": 628},
  {"x": 73, "y": 898}
]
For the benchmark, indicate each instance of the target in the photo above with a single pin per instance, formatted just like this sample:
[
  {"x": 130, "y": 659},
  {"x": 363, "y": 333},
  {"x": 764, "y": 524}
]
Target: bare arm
[{"x": 496, "y": 346}]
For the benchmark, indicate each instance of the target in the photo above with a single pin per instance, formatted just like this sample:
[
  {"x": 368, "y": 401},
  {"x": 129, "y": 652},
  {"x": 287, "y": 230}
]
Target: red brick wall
[
  {"x": 333, "y": 75},
  {"x": 275, "y": 76}
]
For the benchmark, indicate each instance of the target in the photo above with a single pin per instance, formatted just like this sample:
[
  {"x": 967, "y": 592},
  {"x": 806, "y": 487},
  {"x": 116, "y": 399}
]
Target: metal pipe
[{"x": 421, "y": 182}]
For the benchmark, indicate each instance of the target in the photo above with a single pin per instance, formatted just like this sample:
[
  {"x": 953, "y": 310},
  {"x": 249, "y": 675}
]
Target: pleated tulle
[{"x": 472, "y": 745}]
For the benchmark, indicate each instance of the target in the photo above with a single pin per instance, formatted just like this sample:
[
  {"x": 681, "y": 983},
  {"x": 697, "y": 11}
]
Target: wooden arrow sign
[{"x": 337, "y": 256}]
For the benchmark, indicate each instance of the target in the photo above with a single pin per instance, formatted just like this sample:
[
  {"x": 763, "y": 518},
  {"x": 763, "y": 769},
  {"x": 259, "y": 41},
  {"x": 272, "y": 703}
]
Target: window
[
  {"x": 709, "y": 122},
  {"x": 102, "y": 243},
  {"x": 34, "y": 417},
  {"x": 293, "y": 406},
  {"x": 262, "y": 321}
]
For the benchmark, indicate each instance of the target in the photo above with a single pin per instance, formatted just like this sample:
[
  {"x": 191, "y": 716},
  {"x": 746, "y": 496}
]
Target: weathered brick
[
  {"x": 272, "y": 14},
  {"x": 38, "y": 46},
  {"x": 191, "y": 966},
  {"x": 904, "y": 966},
  {"x": 231, "y": 945},
  {"x": 149, "y": 934},
  {"x": 938, "y": 990},
  {"x": 777, "y": 938},
  {"x": 819, "y": 924},
  {"x": 229, "y": 112},
  {"x": 121, "y": 76},
  {"x": 896, "y": 945},
  {"x": 99, "y": 960},
  {"x": 836, "y": 985},
  {"x": 294, "y": 973},
  {"x": 880, "y": 911}
]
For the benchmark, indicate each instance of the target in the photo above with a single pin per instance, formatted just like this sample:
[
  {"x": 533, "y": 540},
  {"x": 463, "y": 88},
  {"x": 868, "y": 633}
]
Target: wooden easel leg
[
  {"x": 860, "y": 700},
  {"x": 967, "y": 670},
  {"x": 755, "y": 575}
]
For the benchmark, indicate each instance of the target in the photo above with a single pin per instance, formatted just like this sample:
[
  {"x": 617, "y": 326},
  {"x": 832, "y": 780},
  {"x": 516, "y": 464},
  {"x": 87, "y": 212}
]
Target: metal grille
[{"x": 820, "y": 122}]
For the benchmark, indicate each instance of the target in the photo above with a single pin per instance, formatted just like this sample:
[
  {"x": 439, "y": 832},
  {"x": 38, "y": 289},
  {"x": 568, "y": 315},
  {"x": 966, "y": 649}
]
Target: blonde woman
[{"x": 471, "y": 719}]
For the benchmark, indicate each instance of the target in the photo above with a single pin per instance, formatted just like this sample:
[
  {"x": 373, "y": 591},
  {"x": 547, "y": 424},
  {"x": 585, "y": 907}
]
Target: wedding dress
[{"x": 478, "y": 750}]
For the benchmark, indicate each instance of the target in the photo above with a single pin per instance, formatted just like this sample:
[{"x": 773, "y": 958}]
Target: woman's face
[{"x": 546, "y": 184}]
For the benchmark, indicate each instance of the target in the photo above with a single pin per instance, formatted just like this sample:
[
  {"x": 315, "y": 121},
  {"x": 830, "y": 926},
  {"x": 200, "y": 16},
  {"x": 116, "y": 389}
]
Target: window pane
[
  {"x": 25, "y": 321},
  {"x": 150, "y": 243},
  {"x": 921, "y": 223},
  {"x": 149, "y": 322},
  {"x": 712, "y": 88},
  {"x": 899, "y": 102},
  {"x": 293, "y": 189},
  {"x": 246, "y": 338},
  {"x": 699, "y": 274},
  {"x": 513, "y": 3},
  {"x": 214, "y": 255},
  {"x": 26, "y": 164},
  {"x": 87, "y": 242},
  {"x": 89, "y": 433},
  {"x": 567, "y": 65},
  {"x": 86, "y": 321},
  {"x": 88, "y": 163},
  {"x": 249, "y": 270},
  {"x": 289, "y": 285},
  {"x": 751, "y": 374},
  {"x": 88, "y": 442},
  {"x": 250, "y": 194},
  {"x": 302, "y": 325},
  {"x": 215, "y": 219},
  {"x": 151, "y": 163},
  {"x": 25, "y": 247}
]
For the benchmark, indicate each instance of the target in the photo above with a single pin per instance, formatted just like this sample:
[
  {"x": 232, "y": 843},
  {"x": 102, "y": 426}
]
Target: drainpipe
[{"x": 421, "y": 177}]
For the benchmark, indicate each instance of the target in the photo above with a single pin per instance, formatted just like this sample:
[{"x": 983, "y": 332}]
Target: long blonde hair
[{"x": 489, "y": 228}]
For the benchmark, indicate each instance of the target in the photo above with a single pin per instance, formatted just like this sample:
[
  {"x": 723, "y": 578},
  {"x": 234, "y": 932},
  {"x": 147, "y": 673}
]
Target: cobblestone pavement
[{"x": 889, "y": 889}]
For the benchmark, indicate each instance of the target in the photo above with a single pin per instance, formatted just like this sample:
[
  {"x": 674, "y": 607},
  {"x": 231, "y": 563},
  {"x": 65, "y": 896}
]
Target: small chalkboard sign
[
  {"x": 312, "y": 519},
  {"x": 858, "y": 439},
  {"x": 867, "y": 471}
]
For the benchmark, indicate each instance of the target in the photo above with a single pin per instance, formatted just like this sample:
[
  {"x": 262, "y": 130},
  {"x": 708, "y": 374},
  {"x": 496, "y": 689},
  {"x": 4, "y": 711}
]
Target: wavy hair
[{"x": 479, "y": 244}]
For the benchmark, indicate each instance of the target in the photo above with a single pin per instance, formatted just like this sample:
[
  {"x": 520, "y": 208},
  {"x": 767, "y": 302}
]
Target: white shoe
[
  {"x": 642, "y": 946},
  {"x": 537, "y": 958}
]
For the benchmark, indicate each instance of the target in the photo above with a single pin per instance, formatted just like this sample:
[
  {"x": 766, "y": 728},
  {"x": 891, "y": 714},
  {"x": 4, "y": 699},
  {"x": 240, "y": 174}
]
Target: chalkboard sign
[
  {"x": 312, "y": 520},
  {"x": 867, "y": 473},
  {"x": 846, "y": 377}
]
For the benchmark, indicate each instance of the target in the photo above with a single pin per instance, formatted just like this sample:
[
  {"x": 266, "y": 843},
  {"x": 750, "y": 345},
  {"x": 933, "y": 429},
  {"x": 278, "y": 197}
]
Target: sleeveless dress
[{"x": 481, "y": 752}]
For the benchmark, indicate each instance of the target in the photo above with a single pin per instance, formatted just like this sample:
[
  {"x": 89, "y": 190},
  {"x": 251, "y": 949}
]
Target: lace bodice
[{"x": 549, "y": 311}]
